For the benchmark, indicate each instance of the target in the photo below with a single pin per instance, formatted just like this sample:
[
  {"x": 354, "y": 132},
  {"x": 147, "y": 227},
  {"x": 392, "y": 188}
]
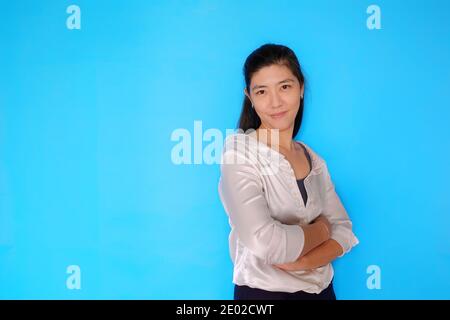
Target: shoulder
[
  {"x": 239, "y": 160},
  {"x": 312, "y": 152},
  {"x": 233, "y": 139},
  {"x": 317, "y": 160},
  {"x": 240, "y": 145}
]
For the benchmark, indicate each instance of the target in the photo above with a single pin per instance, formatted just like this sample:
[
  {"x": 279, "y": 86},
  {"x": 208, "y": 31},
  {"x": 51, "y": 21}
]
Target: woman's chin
[{"x": 281, "y": 124}]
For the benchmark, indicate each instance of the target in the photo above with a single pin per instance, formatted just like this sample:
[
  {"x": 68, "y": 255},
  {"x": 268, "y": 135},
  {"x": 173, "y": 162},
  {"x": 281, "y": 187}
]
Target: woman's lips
[{"x": 278, "y": 115}]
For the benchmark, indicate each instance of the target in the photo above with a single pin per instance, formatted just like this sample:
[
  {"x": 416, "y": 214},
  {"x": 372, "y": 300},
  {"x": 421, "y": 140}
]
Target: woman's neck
[{"x": 280, "y": 139}]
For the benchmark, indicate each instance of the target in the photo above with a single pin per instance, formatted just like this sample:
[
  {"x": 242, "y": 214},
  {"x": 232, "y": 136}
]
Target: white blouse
[{"x": 260, "y": 195}]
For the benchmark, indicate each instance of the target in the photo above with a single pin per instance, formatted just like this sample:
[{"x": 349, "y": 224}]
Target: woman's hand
[{"x": 302, "y": 263}]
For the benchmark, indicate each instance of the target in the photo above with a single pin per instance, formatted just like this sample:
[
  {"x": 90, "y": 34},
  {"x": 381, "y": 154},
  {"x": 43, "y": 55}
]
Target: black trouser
[{"x": 248, "y": 293}]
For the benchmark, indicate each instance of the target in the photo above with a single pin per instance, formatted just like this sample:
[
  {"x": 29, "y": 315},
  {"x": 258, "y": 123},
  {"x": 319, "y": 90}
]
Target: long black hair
[{"x": 266, "y": 55}]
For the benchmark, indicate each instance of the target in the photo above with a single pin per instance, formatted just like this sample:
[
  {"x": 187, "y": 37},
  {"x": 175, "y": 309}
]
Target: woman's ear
[
  {"x": 248, "y": 95},
  {"x": 302, "y": 90}
]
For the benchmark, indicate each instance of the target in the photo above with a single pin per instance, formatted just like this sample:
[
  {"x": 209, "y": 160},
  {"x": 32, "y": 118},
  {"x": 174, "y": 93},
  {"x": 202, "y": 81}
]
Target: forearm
[
  {"x": 318, "y": 257},
  {"x": 315, "y": 234}
]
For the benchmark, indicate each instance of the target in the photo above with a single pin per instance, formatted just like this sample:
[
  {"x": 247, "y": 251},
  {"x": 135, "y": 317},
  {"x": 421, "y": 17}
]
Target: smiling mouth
[{"x": 278, "y": 115}]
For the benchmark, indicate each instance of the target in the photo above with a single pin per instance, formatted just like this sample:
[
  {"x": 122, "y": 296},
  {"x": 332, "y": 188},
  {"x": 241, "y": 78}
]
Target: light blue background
[{"x": 86, "y": 116}]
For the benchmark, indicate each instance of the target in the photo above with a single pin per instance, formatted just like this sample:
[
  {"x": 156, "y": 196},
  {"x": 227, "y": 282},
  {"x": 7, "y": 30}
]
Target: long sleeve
[
  {"x": 336, "y": 214},
  {"x": 242, "y": 195}
]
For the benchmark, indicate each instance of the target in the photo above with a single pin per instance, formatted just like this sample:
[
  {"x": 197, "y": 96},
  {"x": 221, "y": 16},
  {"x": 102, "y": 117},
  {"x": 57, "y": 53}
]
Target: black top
[{"x": 300, "y": 182}]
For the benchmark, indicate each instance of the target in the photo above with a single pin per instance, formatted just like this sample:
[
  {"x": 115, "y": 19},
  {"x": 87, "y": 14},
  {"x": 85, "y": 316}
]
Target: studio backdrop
[{"x": 112, "y": 121}]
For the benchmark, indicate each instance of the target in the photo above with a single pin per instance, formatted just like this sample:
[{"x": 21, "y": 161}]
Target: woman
[{"x": 287, "y": 222}]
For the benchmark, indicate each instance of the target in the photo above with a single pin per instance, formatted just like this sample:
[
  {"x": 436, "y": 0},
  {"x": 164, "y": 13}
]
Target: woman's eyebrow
[{"x": 263, "y": 86}]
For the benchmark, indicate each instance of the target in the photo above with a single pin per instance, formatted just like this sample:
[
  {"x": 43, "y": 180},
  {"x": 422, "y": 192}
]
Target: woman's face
[{"x": 275, "y": 93}]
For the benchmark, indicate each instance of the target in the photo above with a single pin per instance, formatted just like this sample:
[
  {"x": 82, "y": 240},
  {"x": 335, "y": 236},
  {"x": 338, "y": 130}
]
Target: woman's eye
[
  {"x": 285, "y": 86},
  {"x": 260, "y": 92}
]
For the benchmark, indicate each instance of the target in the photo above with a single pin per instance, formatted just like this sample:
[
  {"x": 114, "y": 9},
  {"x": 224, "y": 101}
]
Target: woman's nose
[{"x": 276, "y": 100}]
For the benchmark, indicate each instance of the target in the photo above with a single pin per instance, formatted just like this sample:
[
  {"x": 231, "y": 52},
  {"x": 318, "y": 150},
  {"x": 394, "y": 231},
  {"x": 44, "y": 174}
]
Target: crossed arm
[
  {"x": 242, "y": 194},
  {"x": 319, "y": 248}
]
